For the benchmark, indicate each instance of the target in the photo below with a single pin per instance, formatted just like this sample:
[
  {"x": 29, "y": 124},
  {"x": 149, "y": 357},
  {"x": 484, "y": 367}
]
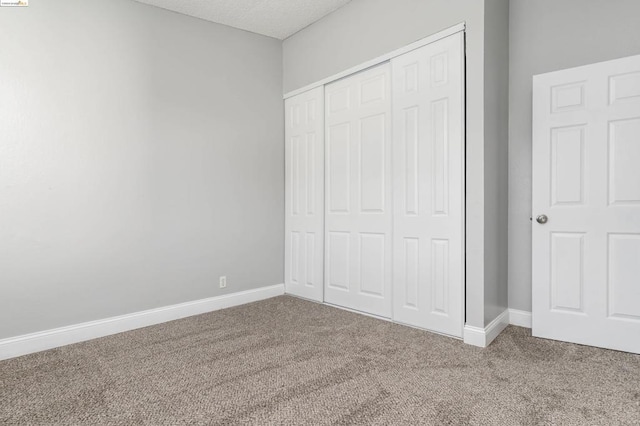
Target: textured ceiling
[{"x": 274, "y": 18}]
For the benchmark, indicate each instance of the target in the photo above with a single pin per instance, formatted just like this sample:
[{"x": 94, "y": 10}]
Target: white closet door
[
  {"x": 358, "y": 192},
  {"x": 304, "y": 194},
  {"x": 428, "y": 164}
]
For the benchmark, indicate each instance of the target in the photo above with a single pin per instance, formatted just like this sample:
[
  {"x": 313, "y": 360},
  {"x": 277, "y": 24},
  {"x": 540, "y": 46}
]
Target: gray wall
[
  {"x": 496, "y": 138},
  {"x": 141, "y": 156},
  {"x": 365, "y": 29},
  {"x": 548, "y": 35}
]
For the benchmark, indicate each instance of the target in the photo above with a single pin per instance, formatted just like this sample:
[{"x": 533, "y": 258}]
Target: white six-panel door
[
  {"x": 304, "y": 194},
  {"x": 586, "y": 205},
  {"x": 358, "y": 192},
  {"x": 428, "y": 190}
]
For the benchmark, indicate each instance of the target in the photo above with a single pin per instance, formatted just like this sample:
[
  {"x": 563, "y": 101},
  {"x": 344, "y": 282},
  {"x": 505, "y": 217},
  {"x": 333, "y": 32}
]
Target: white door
[
  {"x": 428, "y": 169},
  {"x": 358, "y": 192},
  {"x": 304, "y": 194},
  {"x": 586, "y": 205}
]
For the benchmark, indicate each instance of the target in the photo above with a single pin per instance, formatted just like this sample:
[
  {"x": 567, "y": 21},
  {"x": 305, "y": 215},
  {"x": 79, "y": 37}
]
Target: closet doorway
[{"x": 375, "y": 188}]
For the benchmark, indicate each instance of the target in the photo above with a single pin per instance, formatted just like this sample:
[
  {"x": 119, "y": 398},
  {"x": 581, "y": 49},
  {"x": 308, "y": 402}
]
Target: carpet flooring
[{"x": 289, "y": 361}]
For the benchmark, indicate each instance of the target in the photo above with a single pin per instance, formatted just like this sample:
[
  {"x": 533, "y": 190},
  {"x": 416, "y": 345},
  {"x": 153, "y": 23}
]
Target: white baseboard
[
  {"x": 49, "y": 339},
  {"x": 520, "y": 318},
  {"x": 482, "y": 337}
]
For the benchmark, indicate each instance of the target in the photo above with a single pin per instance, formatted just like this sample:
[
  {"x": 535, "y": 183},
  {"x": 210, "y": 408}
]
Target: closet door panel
[
  {"x": 304, "y": 194},
  {"x": 428, "y": 166},
  {"x": 358, "y": 172}
]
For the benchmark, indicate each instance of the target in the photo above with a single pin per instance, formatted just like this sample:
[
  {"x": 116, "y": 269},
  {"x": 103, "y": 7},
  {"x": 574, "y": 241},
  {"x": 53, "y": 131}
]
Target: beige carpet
[{"x": 287, "y": 361}]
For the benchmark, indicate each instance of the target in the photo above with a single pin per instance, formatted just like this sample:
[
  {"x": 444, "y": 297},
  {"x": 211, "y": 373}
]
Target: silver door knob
[{"x": 542, "y": 219}]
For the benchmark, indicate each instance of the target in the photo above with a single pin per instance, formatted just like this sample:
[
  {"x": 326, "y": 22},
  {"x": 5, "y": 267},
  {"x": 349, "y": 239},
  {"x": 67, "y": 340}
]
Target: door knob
[{"x": 542, "y": 219}]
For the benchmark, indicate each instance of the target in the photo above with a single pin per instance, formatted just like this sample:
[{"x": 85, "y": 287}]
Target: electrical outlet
[{"x": 223, "y": 282}]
